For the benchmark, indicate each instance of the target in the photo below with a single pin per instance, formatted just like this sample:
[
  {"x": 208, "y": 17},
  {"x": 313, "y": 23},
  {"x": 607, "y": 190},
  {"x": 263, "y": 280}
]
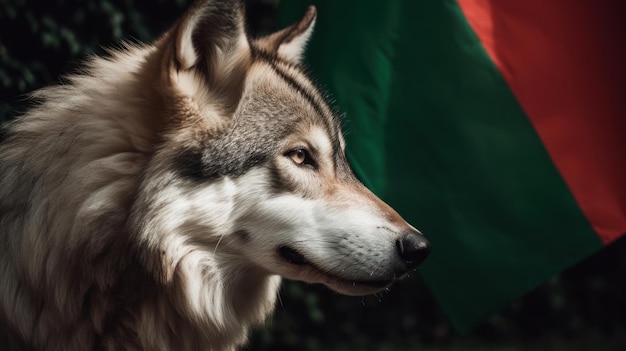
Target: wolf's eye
[{"x": 301, "y": 157}]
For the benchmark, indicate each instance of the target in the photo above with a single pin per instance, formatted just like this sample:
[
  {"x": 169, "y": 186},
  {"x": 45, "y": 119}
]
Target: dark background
[{"x": 581, "y": 309}]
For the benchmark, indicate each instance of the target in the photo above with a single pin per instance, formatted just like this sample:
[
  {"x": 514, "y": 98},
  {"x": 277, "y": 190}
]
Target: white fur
[
  {"x": 294, "y": 50},
  {"x": 107, "y": 244},
  {"x": 187, "y": 56}
]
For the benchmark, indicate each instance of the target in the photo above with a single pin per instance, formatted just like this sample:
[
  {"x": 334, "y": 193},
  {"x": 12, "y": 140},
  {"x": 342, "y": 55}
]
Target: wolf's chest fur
[{"x": 154, "y": 202}]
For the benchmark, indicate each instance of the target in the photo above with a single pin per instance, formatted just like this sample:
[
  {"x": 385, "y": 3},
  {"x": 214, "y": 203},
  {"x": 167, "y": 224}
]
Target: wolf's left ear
[
  {"x": 208, "y": 47},
  {"x": 290, "y": 43},
  {"x": 210, "y": 30}
]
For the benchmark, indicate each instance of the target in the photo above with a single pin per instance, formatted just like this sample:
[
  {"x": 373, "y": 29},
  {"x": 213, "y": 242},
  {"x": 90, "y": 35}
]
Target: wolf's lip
[{"x": 294, "y": 257}]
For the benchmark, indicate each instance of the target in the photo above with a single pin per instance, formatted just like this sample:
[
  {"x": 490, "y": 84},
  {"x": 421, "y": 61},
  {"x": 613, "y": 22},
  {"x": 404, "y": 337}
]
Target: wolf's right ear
[{"x": 290, "y": 43}]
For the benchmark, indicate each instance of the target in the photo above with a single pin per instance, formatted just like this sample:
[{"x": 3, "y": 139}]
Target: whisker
[{"x": 218, "y": 243}]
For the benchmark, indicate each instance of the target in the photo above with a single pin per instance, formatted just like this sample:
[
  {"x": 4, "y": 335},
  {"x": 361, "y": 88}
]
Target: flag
[{"x": 497, "y": 127}]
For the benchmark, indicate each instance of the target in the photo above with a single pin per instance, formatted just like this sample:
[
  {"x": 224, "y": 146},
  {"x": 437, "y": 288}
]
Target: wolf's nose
[{"x": 413, "y": 249}]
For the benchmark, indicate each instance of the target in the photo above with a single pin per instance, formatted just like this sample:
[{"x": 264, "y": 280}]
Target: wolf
[{"x": 155, "y": 200}]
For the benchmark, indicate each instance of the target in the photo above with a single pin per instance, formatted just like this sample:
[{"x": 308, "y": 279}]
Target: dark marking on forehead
[
  {"x": 255, "y": 134},
  {"x": 271, "y": 60},
  {"x": 252, "y": 139},
  {"x": 294, "y": 84},
  {"x": 213, "y": 163},
  {"x": 332, "y": 122},
  {"x": 188, "y": 164}
]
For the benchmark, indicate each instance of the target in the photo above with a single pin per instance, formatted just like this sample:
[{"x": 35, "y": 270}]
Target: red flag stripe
[{"x": 562, "y": 60}]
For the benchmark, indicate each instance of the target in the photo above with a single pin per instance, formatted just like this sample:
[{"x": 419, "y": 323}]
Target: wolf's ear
[
  {"x": 290, "y": 43},
  {"x": 210, "y": 30},
  {"x": 208, "y": 47}
]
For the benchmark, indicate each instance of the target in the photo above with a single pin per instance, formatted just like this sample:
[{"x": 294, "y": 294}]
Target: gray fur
[{"x": 143, "y": 205}]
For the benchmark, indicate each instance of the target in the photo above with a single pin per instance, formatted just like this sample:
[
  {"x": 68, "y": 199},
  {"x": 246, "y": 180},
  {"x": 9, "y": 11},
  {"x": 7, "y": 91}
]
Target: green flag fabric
[{"x": 453, "y": 118}]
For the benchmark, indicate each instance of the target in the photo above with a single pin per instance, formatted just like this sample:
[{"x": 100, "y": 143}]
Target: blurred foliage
[
  {"x": 41, "y": 40},
  {"x": 582, "y": 309}
]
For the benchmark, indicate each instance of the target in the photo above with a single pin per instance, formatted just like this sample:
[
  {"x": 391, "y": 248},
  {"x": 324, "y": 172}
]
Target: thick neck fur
[
  {"x": 214, "y": 317},
  {"x": 106, "y": 118}
]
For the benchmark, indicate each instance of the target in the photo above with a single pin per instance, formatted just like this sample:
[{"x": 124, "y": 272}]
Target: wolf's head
[{"x": 251, "y": 170}]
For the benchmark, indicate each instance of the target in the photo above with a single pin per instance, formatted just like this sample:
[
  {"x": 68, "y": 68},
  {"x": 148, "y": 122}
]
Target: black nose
[{"x": 413, "y": 249}]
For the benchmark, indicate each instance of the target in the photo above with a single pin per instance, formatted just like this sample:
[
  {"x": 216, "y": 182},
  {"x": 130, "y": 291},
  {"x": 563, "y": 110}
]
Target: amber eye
[
  {"x": 298, "y": 156},
  {"x": 301, "y": 157}
]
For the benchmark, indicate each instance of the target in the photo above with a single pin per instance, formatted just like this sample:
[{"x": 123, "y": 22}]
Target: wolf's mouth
[{"x": 294, "y": 257}]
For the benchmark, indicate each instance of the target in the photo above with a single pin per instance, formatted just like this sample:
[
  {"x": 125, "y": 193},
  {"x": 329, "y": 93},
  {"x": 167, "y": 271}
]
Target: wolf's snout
[{"x": 413, "y": 249}]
